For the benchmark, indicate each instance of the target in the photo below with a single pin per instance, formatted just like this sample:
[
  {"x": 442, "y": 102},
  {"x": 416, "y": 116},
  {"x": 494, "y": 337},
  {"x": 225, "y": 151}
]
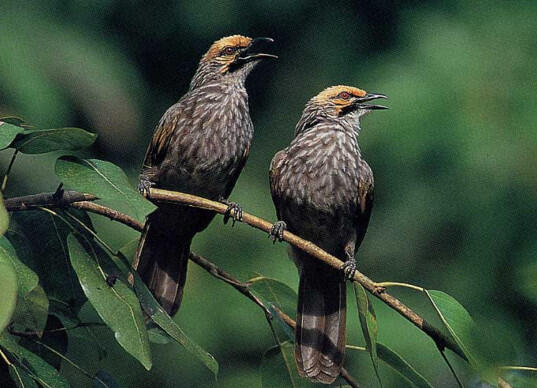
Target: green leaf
[
  {"x": 8, "y": 132},
  {"x": 21, "y": 378},
  {"x": 163, "y": 320},
  {"x": 105, "y": 180},
  {"x": 46, "y": 253},
  {"x": 32, "y": 311},
  {"x": 32, "y": 304},
  {"x": 117, "y": 305},
  {"x": 40, "y": 141},
  {"x": 402, "y": 367},
  {"x": 8, "y": 290},
  {"x": 272, "y": 291},
  {"x": 4, "y": 217},
  {"x": 368, "y": 321},
  {"x": 31, "y": 364},
  {"x": 26, "y": 278},
  {"x": 278, "y": 368},
  {"x": 459, "y": 324}
]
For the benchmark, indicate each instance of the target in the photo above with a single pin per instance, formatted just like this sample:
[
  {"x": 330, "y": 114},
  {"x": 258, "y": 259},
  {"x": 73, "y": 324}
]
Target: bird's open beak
[
  {"x": 359, "y": 102},
  {"x": 251, "y": 53}
]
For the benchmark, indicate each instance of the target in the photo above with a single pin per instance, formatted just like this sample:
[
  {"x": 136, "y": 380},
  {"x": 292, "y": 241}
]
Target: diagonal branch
[{"x": 80, "y": 200}]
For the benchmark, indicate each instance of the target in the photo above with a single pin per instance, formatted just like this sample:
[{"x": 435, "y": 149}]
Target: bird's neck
[{"x": 206, "y": 75}]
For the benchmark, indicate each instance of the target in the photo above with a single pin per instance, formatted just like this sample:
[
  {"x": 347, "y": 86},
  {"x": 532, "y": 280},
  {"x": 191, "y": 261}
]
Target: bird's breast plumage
[
  {"x": 323, "y": 169},
  {"x": 209, "y": 140}
]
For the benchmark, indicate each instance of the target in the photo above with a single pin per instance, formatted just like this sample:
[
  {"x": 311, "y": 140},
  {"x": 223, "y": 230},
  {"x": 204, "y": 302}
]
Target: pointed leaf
[
  {"x": 8, "y": 132},
  {"x": 117, "y": 305},
  {"x": 34, "y": 366},
  {"x": 272, "y": 291},
  {"x": 105, "y": 180},
  {"x": 4, "y": 217},
  {"x": 402, "y": 367},
  {"x": 8, "y": 290},
  {"x": 368, "y": 321},
  {"x": 26, "y": 278},
  {"x": 278, "y": 368},
  {"x": 45, "y": 249},
  {"x": 32, "y": 303},
  {"x": 458, "y": 322},
  {"x": 32, "y": 311},
  {"x": 163, "y": 320},
  {"x": 40, "y": 141}
]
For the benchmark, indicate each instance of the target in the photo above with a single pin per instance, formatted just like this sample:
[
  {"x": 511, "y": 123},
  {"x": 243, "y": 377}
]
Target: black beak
[
  {"x": 251, "y": 52},
  {"x": 359, "y": 102}
]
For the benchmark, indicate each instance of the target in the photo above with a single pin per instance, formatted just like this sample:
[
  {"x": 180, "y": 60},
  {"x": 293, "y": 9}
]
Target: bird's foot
[
  {"x": 377, "y": 290},
  {"x": 144, "y": 186},
  {"x": 276, "y": 232},
  {"x": 233, "y": 211},
  {"x": 349, "y": 268}
]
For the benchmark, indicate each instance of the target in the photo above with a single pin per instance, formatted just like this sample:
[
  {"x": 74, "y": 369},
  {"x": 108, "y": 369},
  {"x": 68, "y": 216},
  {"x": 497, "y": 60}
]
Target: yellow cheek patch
[{"x": 217, "y": 47}]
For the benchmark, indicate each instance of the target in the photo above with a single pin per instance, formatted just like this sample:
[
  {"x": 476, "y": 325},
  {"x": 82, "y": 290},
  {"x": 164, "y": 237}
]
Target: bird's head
[
  {"x": 341, "y": 100},
  {"x": 232, "y": 57},
  {"x": 338, "y": 104}
]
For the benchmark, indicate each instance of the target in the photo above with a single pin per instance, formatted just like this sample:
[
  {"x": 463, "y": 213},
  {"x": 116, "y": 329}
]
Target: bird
[
  {"x": 199, "y": 147},
  {"x": 322, "y": 190}
]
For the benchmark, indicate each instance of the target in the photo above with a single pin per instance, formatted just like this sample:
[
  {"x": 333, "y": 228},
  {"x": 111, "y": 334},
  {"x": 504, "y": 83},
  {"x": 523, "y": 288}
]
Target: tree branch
[
  {"x": 307, "y": 246},
  {"x": 73, "y": 198}
]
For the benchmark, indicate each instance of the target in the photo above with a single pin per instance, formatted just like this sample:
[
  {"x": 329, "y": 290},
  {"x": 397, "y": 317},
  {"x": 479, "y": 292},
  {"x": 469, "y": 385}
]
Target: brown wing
[
  {"x": 365, "y": 205},
  {"x": 274, "y": 174}
]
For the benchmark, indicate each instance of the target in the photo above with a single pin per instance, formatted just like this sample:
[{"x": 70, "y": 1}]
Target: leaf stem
[
  {"x": 399, "y": 284},
  {"x": 355, "y": 347},
  {"x": 4, "y": 181}
]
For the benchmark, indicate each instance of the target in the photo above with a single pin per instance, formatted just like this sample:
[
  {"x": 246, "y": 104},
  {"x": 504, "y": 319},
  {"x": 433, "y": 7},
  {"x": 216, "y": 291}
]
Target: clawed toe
[
  {"x": 233, "y": 211},
  {"x": 144, "y": 186},
  {"x": 276, "y": 232},
  {"x": 349, "y": 268}
]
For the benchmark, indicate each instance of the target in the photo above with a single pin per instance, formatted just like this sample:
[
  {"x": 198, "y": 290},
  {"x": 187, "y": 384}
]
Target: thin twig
[
  {"x": 51, "y": 331},
  {"x": 227, "y": 278},
  {"x": 114, "y": 215}
]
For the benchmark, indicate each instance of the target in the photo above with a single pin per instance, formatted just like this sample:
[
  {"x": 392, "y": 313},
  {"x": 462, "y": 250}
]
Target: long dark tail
[
  {"x": 162, "y": 258},
  {"x": 320, "y": 333}
]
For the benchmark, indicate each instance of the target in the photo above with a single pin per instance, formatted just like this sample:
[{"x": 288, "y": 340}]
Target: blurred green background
[{"x": 455, "y": 157}]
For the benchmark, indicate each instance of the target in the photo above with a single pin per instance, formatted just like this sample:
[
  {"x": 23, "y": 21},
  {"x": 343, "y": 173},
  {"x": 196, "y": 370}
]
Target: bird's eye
[
  {"x": 229, "y": 50},
  {"x": 344, "y": 95}
]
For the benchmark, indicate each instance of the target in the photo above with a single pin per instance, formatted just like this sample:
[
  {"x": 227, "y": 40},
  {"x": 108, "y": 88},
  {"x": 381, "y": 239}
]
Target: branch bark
[{"x": 80, "y": 200}]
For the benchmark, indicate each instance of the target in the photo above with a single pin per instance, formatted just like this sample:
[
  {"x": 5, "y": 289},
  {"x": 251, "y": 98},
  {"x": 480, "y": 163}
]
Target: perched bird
[
  {"x": 199, "y": 147},
  {"x": 323, "y": 191}
]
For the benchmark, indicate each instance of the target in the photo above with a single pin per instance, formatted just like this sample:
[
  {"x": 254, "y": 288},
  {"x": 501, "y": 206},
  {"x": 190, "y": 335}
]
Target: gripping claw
[
  {"x": 276, "y": 232},
  {"x": 233, "y": 211}
]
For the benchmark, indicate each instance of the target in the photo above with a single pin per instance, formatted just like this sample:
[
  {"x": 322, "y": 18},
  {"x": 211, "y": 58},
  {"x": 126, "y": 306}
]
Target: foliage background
[{"x": 454, "y": 158}]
